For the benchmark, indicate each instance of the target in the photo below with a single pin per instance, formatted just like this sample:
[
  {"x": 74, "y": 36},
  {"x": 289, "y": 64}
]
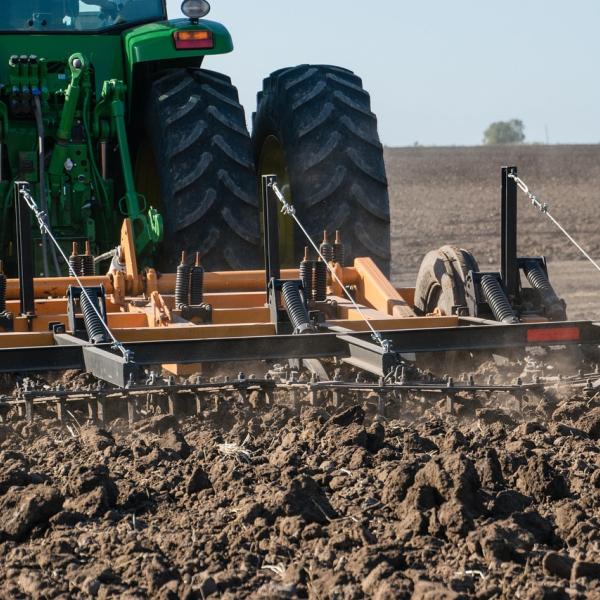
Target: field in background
[{"x": 452, "y": 195}]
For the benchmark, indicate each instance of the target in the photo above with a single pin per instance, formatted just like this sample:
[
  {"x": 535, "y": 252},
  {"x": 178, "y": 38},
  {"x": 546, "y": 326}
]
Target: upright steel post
[
  {"x": 271, "y": 228},
  {"x": 509, "y": 266},
  {"x": 24, "y": 249}
]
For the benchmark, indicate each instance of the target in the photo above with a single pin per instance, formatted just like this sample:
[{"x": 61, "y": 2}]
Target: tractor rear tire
[
  {"x": 315, "y": 130},
  {"x": 203, "y": 158}
]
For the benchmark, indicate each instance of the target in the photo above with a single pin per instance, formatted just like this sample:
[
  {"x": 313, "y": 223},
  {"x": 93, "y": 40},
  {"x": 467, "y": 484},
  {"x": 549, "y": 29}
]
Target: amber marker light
[{"x": 193, "y": 40}]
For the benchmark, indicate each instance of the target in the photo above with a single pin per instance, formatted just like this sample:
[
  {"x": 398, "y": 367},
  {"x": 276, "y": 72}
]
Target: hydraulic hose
[{"x": 39, "y": 121}]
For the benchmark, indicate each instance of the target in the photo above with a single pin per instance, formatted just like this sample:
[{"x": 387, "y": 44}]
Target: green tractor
[{"x": 107, "y": 113}]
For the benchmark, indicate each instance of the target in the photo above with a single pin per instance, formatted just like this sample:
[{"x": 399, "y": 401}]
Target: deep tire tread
[
  {"x": 204, "y": 159},
  {"x": 322, "y": 116}
]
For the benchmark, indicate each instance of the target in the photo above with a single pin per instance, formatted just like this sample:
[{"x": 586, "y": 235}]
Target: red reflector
[
  {"x": 192, "y": 40},
  {"x": 554, "y": 334}
]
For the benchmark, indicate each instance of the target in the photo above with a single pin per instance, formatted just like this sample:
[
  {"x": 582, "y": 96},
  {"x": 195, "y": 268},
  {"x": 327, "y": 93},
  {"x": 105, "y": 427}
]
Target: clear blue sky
[{"x": 439, "y": 71}]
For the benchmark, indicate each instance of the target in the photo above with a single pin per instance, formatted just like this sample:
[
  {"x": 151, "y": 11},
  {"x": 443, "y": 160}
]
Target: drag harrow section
[{"x": 158, "y": 395}]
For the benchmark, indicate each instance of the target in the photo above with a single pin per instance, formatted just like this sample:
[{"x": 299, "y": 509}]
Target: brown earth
[
  {"x": 335, "y": 503},
  {"x": 316, "y": 504},
  {"x": 452, "y": 195}
]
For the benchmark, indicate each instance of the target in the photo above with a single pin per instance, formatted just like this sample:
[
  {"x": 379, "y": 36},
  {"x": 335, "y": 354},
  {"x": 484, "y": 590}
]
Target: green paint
[{"x": 85, "y": 83}]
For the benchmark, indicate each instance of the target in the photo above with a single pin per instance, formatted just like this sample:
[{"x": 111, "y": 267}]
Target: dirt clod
[{"x": 310, "y": 503}]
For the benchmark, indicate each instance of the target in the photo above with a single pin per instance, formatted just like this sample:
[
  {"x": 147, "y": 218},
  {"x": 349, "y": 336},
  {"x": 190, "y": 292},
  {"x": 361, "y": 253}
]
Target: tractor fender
[{"x": 155, "y": 42}]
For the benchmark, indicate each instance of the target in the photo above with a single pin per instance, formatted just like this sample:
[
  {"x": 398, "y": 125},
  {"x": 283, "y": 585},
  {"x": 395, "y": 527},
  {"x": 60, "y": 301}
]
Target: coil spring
[
  {"x": 93, "y": 325},
  {"x": 2, "y": 293},
  {"x": 182, "y": 283},
  {"x": 497, "y": 300},
  {"x": 326, "y": 248},
  {"x": 196, "y": 285},
  {"x": 540, "y": 282},
  {"x": 296, "y": 309},
  {"x": 320, "y": 281},
  {"x": 306, "y": 275},
  {"x": 339, "y": 253},
  {"x": 88, "y": 266},
  {"x": 75, "y": 265}
]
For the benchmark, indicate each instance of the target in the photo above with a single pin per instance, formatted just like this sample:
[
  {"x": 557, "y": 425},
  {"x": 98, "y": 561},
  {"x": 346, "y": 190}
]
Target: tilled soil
[
  {"x": 322, "y": 503},
  {"x": 452, "y": 196},
  {"x": 272, "y": 503}
]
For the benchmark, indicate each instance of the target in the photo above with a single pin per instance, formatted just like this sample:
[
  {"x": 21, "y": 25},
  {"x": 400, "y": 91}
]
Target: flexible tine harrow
[
  {"x": 194, "y": 396},
  {"x": 121, "y": 326},
  {"x": 176, "y": 398}
]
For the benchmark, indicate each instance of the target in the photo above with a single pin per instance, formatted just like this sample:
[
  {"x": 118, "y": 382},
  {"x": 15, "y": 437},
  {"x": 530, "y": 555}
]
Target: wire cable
[
  {"x": 543, "y": 208},
  {"x": 41, "y": 219},
  {"x": 288, "y": 209}
]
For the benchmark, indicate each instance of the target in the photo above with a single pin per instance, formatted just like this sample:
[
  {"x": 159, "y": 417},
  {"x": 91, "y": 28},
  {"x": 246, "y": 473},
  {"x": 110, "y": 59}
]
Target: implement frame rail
[{"x": 105, "y": 364}]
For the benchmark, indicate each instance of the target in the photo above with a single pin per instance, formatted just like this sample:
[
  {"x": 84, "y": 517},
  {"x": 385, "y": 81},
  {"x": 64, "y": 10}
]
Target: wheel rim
[{"x": 272, "y": 162}]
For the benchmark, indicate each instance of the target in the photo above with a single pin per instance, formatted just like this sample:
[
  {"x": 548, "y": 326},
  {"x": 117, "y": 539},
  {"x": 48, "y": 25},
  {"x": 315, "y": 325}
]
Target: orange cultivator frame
[{"x": 242, "y": 318}]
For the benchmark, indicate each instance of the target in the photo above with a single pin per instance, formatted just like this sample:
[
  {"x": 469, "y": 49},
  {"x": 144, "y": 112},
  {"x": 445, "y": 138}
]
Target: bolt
[{"x": 77, "y": 63}]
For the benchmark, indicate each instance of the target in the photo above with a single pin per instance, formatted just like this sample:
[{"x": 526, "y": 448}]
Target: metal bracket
[
  {"x": 7, "y": 321},
  {"x": 271, "y": 229},
  {"x": 508, "y": 239},
  {"x": 24, "y": 249},
  {"x": 370, "y": 357},
  {"x": 201, "y": 312},
  {"x": 101, "y": 362}
]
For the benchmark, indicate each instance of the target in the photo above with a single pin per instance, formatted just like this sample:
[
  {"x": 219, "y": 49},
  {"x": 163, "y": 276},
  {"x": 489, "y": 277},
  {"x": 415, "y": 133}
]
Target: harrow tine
[
  {"x": 92, "y": 410},
  {"x": 101, "y": 410},
  {"x": 61, "y": 409},
  {"x": 132, "y": 412},
  {"x": 29, "y": 410}
]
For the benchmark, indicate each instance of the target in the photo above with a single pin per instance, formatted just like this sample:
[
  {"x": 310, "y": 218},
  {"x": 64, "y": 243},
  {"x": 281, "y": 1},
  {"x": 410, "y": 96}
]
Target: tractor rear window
[{"x": 77, "y": 15}]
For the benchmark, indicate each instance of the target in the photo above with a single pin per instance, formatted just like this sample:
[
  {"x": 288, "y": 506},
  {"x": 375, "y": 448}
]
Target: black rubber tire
[
  {"x": 322, "y": 119},
  {"x": 197, "y": 130},
  {"x": 439, "y": 288},
  {"x": 441, "y": 280}
]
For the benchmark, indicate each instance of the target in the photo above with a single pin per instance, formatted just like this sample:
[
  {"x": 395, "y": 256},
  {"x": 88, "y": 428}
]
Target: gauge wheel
[{"x": 440, "y": 286}]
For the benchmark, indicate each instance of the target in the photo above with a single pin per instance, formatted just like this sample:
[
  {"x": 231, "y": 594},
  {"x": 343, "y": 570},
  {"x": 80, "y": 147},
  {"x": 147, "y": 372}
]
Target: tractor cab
[{"x": 47, "y": 16}]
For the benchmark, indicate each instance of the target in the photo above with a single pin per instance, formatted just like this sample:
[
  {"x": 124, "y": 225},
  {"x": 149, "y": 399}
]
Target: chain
[
  {"x": 288, "y": 209},
  {"x": 44, "y": 228},
  {"x": 545, "y": 209}
]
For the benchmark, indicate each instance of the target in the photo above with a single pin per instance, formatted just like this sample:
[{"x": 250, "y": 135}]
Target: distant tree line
[{"x": 505, "y": 132}]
